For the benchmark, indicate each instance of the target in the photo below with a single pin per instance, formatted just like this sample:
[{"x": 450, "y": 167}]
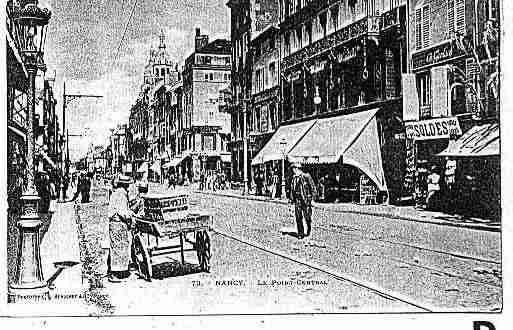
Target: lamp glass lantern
[{"x": 32, "y": 23}]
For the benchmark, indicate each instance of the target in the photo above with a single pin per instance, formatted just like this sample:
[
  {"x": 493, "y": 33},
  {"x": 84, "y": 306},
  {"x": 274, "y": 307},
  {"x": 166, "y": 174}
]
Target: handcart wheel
[
  {"x": 142, "y": 259},
  {"x": 203, "y": 250}
]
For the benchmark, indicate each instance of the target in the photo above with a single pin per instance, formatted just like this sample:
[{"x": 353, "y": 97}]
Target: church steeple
[{"x": 162, "y": 38}]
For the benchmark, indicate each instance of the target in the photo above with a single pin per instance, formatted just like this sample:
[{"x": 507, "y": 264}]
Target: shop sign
[
  {"x": 318, "y": 66},
  {"x": 434, "y": 55},
  {"x": 347, "y": 54},
  {"x": 433, "y": 129}
]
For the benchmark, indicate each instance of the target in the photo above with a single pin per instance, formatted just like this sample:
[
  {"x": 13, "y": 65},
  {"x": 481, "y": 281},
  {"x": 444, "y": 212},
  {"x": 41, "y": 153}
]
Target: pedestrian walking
[
  {"x": 43, "y": 190},
  {"x": 86, "y": 188},
  {"x": 433, "y": 187},
  {"x": 121, "y": 221},
  {"x": 202, "y": 181},
  {"x": 303, "y": 192},
  {"x": 171, "y": 181}
]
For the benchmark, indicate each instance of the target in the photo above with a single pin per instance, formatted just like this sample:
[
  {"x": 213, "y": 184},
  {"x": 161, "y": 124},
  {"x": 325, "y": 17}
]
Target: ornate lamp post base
[{"x": 29, "y": 281}]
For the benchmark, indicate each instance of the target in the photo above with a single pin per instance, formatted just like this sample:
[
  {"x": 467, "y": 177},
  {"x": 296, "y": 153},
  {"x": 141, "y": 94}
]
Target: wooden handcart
[{"x": 167, "y": 218}]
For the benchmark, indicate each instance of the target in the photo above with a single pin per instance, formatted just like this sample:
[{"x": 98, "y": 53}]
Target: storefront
[
  {"x": 429, "y": 138},
  {"x": 342, "y": 153},
  {"x": 473, "y": 170}
]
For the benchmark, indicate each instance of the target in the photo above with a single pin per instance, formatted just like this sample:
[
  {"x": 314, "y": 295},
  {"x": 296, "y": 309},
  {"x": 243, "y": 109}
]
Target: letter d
[{"x": 482, "y": 325}]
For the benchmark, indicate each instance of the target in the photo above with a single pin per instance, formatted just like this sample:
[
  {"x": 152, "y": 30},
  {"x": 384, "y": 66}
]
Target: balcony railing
[{"x": 366, "y": 26}]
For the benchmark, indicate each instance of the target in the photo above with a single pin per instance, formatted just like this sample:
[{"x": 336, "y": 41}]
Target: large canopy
[
  {"x": 283, "y": 140},
  {"x": 351, "y": 139},
  {"x": 479, "y": 141}
]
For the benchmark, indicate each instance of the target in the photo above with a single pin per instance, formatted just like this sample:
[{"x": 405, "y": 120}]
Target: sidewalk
[
  {"x": 59, "y": 243},
  {"x": 408, "y": 213}
]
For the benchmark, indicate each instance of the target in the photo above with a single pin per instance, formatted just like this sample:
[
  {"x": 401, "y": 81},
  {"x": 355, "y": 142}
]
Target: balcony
[{"x": 370, "y": 25}]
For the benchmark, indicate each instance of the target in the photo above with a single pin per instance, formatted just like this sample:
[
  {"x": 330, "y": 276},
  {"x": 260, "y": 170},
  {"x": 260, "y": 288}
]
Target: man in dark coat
[{"x": 302, "y": 193}]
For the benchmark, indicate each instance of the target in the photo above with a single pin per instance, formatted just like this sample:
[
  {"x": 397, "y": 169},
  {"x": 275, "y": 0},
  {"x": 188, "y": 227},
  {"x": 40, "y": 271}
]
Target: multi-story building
[
  {"x": 147, "y": 122},
  {"x": 17, "y": 88},
  {"x": 452, "y": 90},
  {"x": 264, "y": 113},
  {"x": 206, "y": 130},
  {"x": 341, "y": 65},
  {"x": 248, "y": 17}
]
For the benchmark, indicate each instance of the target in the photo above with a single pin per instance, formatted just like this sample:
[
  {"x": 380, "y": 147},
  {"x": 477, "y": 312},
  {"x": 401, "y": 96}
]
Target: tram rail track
[{"x": 394, "y": 296}]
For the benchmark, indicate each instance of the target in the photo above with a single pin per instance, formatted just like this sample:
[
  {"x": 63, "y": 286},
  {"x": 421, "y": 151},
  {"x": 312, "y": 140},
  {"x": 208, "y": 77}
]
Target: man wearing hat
[
  {"x": 121, "y": 220},
  {"x": 302, "y": 193}
]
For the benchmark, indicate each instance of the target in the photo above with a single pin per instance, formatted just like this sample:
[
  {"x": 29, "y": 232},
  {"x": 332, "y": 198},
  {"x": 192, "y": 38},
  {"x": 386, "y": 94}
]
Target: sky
[{"x": 83, "y": 38}]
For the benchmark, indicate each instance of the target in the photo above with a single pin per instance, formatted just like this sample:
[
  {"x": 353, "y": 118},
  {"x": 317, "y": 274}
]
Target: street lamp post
[
  {"x": 283, "y": 145},
  {"x": 31, "y": 22},
  {"x": 245, "y": 147}
]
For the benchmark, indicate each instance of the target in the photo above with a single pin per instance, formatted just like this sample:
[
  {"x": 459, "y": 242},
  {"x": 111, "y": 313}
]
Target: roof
[{"x": 218, "y": 46}]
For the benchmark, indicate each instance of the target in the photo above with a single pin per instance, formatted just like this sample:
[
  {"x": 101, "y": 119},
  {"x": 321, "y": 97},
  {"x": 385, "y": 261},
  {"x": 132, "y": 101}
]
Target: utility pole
[{"x": 66, "y": 99}]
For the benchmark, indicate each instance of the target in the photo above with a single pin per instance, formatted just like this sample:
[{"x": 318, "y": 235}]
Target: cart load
[{"x": 167, "y": 217}]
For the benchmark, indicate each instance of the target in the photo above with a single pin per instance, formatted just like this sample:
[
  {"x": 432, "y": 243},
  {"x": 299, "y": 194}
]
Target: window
[
  {"x": 206, "y": 76},
  {"x": 299, "y": 36},
  {"x": 422, "y": 27},
  {"x": 334, "y": 18},
  {"x": 492, "y": 9},
  {"x": 308, "y": 32},
  {"x": 272, "y": 72},
  {"x": 424, "y": 89},
  {"x": 162, "y": 72},
  {"x": 211, "y": 77},
  {"x": 455, "y": 17},
  {"x": 286, "y": 43},
  {"x": 322, "y": 22}
]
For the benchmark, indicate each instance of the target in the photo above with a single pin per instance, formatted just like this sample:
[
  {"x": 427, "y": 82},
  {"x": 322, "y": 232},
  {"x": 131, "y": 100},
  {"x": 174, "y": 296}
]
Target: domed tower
[{"x": 163, "y": 67}]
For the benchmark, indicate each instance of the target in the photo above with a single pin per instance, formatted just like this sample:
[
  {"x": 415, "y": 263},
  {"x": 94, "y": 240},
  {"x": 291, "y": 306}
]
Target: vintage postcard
[{"x": 255, "y": 157}]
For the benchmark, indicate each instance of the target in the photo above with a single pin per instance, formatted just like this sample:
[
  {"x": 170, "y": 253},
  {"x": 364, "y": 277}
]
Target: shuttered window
[
  {"x": 418, "y": 28},
  {"x": 439, "y": 89},
  {"x": 460, "y": 16},
  {"x": 450, "y": 18},
  {"x": 422, "y": 27},
  {"x": 455, "y": 17}
]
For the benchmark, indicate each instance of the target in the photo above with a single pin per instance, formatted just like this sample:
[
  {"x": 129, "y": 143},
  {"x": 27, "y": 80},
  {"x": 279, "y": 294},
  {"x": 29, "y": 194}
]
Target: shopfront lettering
[
  {"x": 433, "y": 56},
  {"x": 433, "y": 129}
]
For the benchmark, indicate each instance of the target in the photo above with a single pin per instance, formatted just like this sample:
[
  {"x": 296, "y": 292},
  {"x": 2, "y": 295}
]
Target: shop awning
[
  {"x": 275, "y": 149},
  {"x": 175, "y": 161},
  {"x": 352, "y": 139},
  {"x": 479, "y": 141},
  {"x": 143, "y": 168}
]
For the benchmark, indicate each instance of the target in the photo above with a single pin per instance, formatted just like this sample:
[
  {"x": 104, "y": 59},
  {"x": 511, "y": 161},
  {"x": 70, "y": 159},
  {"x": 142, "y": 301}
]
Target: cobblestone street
[{"x": 435, "y": 267}]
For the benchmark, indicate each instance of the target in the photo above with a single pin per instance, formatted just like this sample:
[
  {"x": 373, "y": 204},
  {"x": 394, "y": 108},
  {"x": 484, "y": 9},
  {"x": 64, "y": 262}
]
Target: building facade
[
  {"x": 206, "y": 131},
  {"x": 248, "y": 18},
  {"x": 453, "y": 97},
  {"x": 341, "y": 65},
  {"x": 264, "y": 113}
]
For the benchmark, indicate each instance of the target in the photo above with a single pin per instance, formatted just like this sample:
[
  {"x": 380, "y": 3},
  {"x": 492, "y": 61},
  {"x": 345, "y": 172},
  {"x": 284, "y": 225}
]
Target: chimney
[{"x": 200, "y": 40}]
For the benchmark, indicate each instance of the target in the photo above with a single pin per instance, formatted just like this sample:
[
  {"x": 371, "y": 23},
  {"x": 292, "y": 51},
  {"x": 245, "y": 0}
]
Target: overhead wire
[{"x": 124, "y": 32}]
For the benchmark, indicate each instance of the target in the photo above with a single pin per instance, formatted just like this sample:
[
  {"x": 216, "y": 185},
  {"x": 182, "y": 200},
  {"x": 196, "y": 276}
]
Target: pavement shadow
[{"x": 174, "y": 268}]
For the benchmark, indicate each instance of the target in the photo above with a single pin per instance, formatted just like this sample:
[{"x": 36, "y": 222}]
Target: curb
[{"x": 375, "y": 214}]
